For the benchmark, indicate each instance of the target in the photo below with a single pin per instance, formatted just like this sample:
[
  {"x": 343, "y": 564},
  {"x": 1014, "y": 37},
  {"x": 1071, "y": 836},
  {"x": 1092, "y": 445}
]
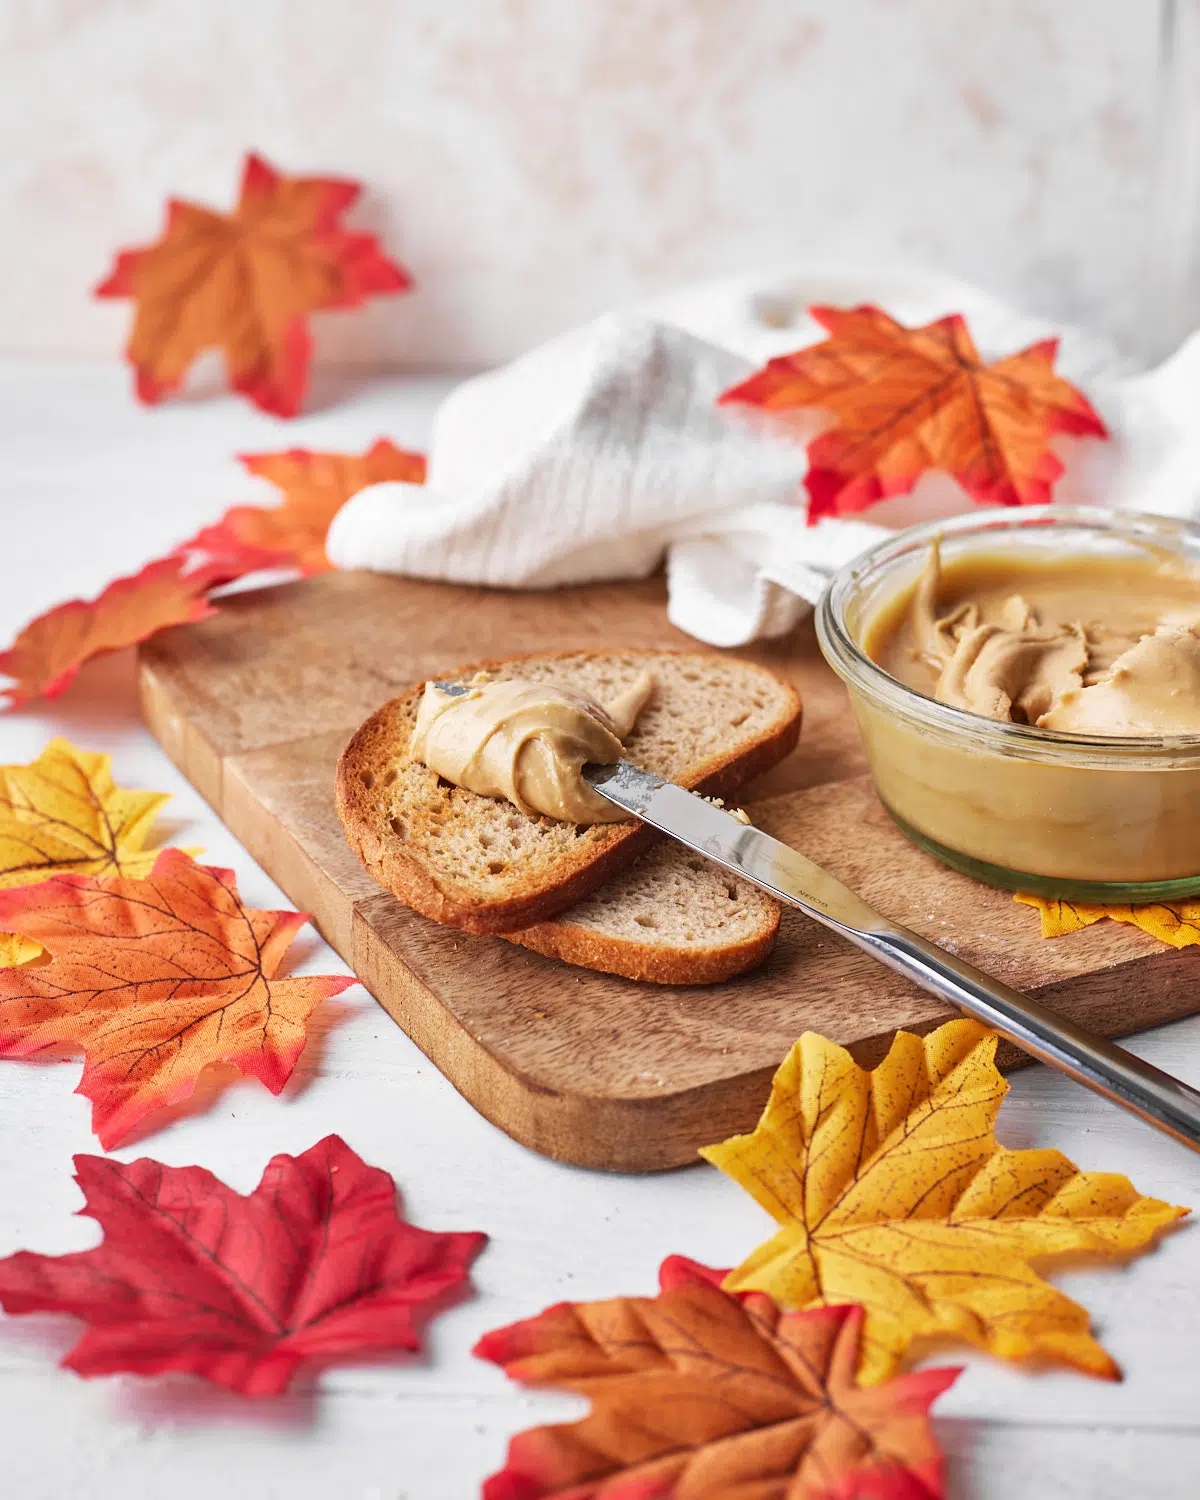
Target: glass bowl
[{"x": 1082, "y": 817}]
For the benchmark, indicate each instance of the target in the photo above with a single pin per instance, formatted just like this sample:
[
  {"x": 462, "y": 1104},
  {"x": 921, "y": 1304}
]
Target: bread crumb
[{"x": 739, "y": 813}]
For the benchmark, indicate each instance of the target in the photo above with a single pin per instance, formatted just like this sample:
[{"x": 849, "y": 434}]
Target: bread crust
[
  {"x": 377, "y": 744},
  {"x": 643, "y": 961}
]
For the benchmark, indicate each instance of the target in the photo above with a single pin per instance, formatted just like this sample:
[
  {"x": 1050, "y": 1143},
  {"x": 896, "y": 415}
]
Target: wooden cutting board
[{"x": 254, "y": 706}]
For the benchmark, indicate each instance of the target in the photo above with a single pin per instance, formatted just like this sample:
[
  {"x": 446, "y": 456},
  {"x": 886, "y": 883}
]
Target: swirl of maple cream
[
  {"x": 1104, "y": 676},
  {"x": 527, "y": 742}
]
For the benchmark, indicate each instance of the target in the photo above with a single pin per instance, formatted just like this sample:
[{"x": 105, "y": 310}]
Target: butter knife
[{"x": 790, "y": 876}]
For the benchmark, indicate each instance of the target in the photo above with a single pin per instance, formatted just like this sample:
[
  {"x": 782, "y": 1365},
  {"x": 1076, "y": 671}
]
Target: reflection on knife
[{"x": 791, "y": 877}]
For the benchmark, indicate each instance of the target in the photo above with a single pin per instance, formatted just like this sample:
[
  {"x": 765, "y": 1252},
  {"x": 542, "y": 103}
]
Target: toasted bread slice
[
  {"x": 671, "y": 918},
  {"x": 479, "y": 864}
]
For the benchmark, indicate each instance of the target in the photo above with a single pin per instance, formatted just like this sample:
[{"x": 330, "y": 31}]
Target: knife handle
[{"x": 1163, "y": 1101}]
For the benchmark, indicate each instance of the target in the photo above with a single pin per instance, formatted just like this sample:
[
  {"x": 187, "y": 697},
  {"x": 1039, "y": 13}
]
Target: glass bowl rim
[{"x": 1026, "y": 741}]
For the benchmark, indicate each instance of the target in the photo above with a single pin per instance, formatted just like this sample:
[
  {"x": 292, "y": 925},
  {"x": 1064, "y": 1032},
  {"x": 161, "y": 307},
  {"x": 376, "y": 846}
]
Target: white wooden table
[{"x": 90, "y": 486}]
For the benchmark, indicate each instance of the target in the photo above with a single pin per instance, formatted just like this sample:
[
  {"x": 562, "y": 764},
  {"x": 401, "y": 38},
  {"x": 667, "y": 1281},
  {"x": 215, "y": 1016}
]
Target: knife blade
[{"x": 1164, "y": 1101}]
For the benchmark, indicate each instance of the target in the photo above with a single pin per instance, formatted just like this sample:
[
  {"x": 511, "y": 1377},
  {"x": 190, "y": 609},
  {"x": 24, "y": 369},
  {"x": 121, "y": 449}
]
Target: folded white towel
[{"x": 602, "y": 452}]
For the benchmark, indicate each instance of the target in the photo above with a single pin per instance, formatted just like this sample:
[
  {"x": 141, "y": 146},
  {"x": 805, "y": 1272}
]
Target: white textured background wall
[{"x": 534, "y": 161}]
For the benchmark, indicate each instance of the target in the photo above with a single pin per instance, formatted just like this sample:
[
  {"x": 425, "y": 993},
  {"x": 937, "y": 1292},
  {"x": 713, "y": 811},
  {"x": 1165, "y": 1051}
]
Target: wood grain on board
[{"x": 255, "y": 705}]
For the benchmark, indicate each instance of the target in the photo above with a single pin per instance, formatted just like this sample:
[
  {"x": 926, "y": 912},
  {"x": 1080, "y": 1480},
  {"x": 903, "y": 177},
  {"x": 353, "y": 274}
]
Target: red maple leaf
[
  {"x": 710, "y": 1394},
  {"x": 245, "y": 283},
  {"x": 47, "y": 654},
  {"x": 314, "y": 1267},
  {"x": 907, "y": 400},
  {"x": 228, "y": 556},
  {"x": 154, "y": 980}
]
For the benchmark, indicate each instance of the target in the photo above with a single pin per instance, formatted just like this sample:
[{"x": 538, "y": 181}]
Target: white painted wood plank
[
  {"x": 1007, "y": 1461},
  {"x": 141, "y": 1442}
]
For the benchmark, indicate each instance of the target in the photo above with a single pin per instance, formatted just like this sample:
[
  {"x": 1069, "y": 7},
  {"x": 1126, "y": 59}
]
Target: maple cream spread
[
  {"x": 527, "y": 742},
  {"x": 1089, "y": 645}
]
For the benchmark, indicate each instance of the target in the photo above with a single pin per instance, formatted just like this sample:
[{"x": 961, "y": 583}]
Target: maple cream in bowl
[{"x": 1027, "y": 684}]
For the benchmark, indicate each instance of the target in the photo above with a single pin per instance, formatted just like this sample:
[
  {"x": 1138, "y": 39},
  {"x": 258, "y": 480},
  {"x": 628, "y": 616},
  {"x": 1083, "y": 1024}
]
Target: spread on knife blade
[
  {"x": 527, "y": 742},
  {"x": 1088, "y": 645}
]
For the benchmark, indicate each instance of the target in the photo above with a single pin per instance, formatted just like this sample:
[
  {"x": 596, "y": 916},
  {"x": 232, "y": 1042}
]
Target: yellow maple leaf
[
  {"x": 16, "y": 950},
  {"x": 892, "y": 1191},
  {"x": 1174, "y": 922},
  {"x": 64, "y": 813}
]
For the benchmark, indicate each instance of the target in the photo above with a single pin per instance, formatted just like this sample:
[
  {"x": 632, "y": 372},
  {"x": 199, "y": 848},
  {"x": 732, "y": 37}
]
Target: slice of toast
[
  {"x": 477, "y": 863},
  {"x": 671, "y": 918}
]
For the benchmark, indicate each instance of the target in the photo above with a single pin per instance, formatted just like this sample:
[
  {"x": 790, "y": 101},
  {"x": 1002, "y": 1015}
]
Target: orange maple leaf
[
  {"x": 315, "y": 487},
  {"x": 46, "y": 655},
  {"x": 907, "y": 400},
  {"x": 154, "y": 980},
  {"x": 702, "y": 1393},
  {"x": 245, "y": 283}
]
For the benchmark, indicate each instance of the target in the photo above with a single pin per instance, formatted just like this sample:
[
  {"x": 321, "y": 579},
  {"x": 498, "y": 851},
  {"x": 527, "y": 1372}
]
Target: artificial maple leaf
[
  {"x": 45, "y": 657},
  {"x": 907, "y": 400},
  {"x": 16, "y": 950},
  {"x": 315, "y": 487},
  {"x": 227, "y": 557},
  {"x": 703, "y": 1394},
  {"x": 246, "y": 282},
  {"x": 154, "y": 980},
  {"x": 893, "y": 1192},
  {"x": 314, "y": 1267},
  {"x": 1174, "y": 922},
  {"x": 64, "y": 813}
]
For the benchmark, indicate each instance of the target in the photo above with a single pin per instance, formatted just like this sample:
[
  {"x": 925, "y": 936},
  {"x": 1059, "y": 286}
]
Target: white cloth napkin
[{"x": 602, "y": 452}]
